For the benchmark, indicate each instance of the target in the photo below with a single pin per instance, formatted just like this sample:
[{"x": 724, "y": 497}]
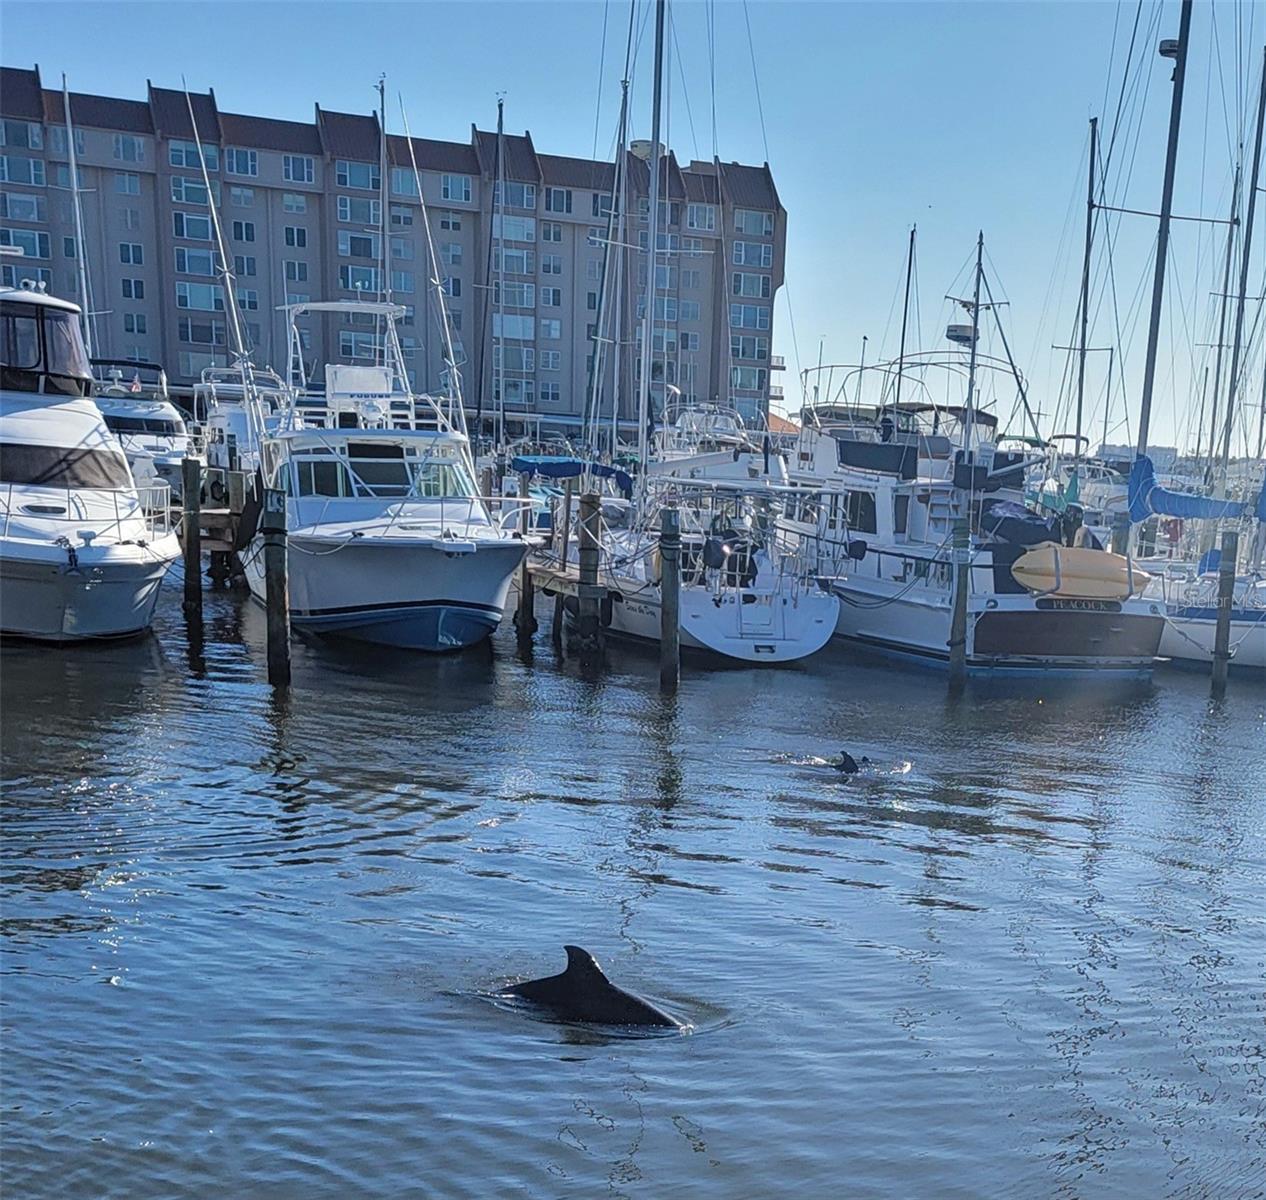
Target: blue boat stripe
[{"x": 350, "y": 609}]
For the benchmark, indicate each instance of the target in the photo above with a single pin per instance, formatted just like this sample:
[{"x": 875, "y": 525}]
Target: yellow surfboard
[{"x": 1078, "y": 573}]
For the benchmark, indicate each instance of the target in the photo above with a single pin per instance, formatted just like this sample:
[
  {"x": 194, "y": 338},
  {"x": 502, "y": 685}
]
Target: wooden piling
[
  {"x": 1226, "y": 601},
  {"x": 962, "y": 587},
  {"x": 525, "y": 616},
  {"x": 485, "y": 482},
  {"x": 588, "y": 623},
  {"x": 556, "y": 629},
  {"x": 272, "y": 524},
  {"x": 669, "y": 599},
  {"x": 191, "y": 502}
]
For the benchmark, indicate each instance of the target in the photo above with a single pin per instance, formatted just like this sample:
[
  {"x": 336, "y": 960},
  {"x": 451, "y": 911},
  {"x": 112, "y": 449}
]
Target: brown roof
[
  {"x": 640, "y": 177},
  {"x": 779, "y": 424},
  {"x": 20, "y": 93},
  {"x": 749, "y": 187},
  {"x": 433, "y": 155},
  {"x": 701, "y": 183},
  {"x": 349, "y": 135},
  {"x": 576, "y": 172},
  {"x": 521, "y": 163},
  {"x": 98, "y": 112},
  {"x": 264, "y": 133},
  {"x": 169, "y": 110}
]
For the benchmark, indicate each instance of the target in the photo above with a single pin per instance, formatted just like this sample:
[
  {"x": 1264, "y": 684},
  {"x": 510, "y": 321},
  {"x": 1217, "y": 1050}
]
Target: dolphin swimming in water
[
  {"x": 583, "y": 993},
  {"x": 848, "y": 765}
]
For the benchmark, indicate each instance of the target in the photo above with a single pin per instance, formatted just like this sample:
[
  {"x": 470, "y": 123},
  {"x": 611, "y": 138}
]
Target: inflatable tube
[{"x": 1078, "y": 573}]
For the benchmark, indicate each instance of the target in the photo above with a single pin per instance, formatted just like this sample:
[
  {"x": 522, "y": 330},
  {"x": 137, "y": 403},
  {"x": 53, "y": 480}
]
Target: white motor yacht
[
  {"x": 389, "y": 539},
  {"x": 138, "y": 410},
  {"x": 83, "y": 550}
]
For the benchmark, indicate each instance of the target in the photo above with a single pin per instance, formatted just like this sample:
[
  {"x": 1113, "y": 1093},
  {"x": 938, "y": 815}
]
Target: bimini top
[
  {"x": 377, "y": 308},
  {"x": 551, "y": 467}
]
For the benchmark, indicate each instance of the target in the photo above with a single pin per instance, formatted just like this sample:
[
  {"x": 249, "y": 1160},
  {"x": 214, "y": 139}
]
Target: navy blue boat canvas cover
[
  {"x": 554, "y": 467},
  {"x": 1148, "y": 498}
]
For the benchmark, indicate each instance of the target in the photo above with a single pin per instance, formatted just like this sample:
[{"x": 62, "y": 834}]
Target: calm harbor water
[{"x": 247, "y": 944}]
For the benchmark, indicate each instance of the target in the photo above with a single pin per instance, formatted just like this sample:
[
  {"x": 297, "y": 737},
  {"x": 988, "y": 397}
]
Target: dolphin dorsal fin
[{"x": 581, "y": 961}]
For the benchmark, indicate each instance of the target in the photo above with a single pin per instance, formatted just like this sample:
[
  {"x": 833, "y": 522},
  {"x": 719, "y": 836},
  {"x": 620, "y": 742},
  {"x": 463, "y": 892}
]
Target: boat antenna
[
  {"x": 905, "y": 313},
  {"x": 1177, "y": 50},
  {"x": 652, "y": 245},
  {"x": 1085, "y": 291},
  {"x": 970, "y": 425},
  {"x": 1242, "y": 294},
  {"x": 82, "y": 251}
]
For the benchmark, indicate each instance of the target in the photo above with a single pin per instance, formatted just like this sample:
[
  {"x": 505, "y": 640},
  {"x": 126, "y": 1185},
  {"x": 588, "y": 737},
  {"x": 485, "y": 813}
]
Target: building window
[
  {"x": 194, "y": 262},
  {"x": 200, "y": 333},
  {"x": 451, "y": 221},
  {"x": 243, "y": 231},
  {"x": 551, "y": 329},
  {"x": 134, "y": 323},
  {"x": 753, "y": 223},
  {"x": 747, "y": 379},
  {"x": 551, "y": 231},
  {"x": 753, "y": 254},
  {"x": 247, "y": 298},
  {"x": 190, "y": 191},
  {"x": 296, "y": 168},
  {"x": 402, "y": 248},
  {"x": 403, "y": 182},
  {"x": 68, "y": 247},
  {"x": 57, "y": 140},
  {"x": 358, "y": 279},
  {"x": 356, "y": 211},
  {"x": 131, "y": 254},
  {"x": 593, "y": 269},
  {"x": 242, "y": 197},
  {"x": 558, "y": 200},
  {"x": 513, "y": 325},
  {"x": 128, "y": 148},
  {"x": 692, "y": 247},
  {"x": 514, "y": 358},
  {"x": 602, "y": 204},
  {"x": 591, "y": 301},
  {"x": 244, "y": 265},
  {"x": 131, "y": 219},
  {"x": 514, "y": 229},
  {"x": 701, "y": 216},
  {"x": 133, "y": 289},
  {"x": 689, "y": 341},
  {"x": 357, "y": 175},
  {"x": 598, "y": 236},
  {"x": 401, "y": 216},
  {"x": 551, "y": 297},
  {"x": 550, "y": 360},
  {"x": 241, "y": 162},
  {"x": 21, "y": 170},
  {"x": 514, "y": 260},
  {"x": 294, "y": 202},
  {"x": 25, "y": 135},
  {"x": 746, "y": 346},
  {"x": 296, "y": 272},
  {"x": 551, "y": 392},
  {"x": 32, "y": 243},
  {"x": 357, "y": 245},
  {"x": 749, "y": 316},
  {"x": 296, "y": 235},
  {"x": 127, "y": 184},
  {"x": 551, "y": 264},
  {"x": 514, "y": 295},
  {"x": 12, "y": 276},
  {"x": 517, "y": 195},
  {"x": 192, "y": 226},
  {"x": 455, "y": 187},
  {"x": 690, "y": 310},
  {"x": 205, "y": 297},
  {"x": 747, "y": 284},
  {"x": 185, "y": 154},
  {"x": 691, "y": 279},
  {"x": 17, "y": 206}
]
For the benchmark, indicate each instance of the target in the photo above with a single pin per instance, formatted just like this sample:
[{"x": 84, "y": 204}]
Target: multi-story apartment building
[{"x": 300, "y": 206}]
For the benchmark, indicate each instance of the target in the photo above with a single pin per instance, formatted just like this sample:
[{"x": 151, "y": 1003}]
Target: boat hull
[
  {"x": 1189, "y": 636},
  {"x": 414, "y": 595},
  {"x": 756, "y": 627},
  {"x": 1007, "y": 633},
  {"x": 109, "y": 593}
]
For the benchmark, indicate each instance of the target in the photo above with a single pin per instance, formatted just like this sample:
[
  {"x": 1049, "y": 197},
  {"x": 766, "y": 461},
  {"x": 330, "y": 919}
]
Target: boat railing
[
  {"x": 452, "y": 516},
  {"x": 113, "y": 511}
]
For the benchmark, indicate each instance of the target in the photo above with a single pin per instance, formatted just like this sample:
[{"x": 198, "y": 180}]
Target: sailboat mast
[
  {"x": 905, "y": 313},
  {"x": 1242, "y": 294},
  {"x": 1231, "y": 227},
  {"x": 1085, "y": 286},
  {"x": 969, "y": 426},
  {"x": 498, "y": 289},
  {"x": 1179, "y": 53},
  {"x": 617, "y": 335},
  {"x": 648, "y": 319},
  {"x": 81, "y": 248},
  {"x": 384, "y": 250}
]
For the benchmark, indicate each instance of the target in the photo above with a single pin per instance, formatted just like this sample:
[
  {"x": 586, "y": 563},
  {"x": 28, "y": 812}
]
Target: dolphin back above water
[{"x": 583, "y": 993}]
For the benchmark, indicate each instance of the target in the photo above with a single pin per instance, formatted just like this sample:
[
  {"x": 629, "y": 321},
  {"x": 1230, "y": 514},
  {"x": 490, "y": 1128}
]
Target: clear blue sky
[{"x": 955, "y": 116}]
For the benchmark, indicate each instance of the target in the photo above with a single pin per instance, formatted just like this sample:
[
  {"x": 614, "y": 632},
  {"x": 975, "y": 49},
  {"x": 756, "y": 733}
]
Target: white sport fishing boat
[
  {"x": 389, "y": 539},
  {"x": 83, "y": 550},
  {"x": 219, "y": 403},
  {"x": 138, "y": 410}
]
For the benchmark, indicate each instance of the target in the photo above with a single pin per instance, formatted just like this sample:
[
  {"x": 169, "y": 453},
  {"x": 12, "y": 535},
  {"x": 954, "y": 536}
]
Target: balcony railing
[
  {"x": 775, "y": 391},
  {"x": 777, "y": 362}
]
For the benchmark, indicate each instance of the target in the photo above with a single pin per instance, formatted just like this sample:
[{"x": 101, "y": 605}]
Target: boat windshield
[
  {"x": 163, "y": 426},
  {"x": 381, "y": 470},
  {"x": 62, "y": 466},
  {"x": 42, "y": 350}
]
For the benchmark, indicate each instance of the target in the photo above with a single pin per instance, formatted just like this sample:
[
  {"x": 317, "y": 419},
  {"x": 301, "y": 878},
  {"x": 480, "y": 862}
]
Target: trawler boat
[
  {"x": 895, "y": 489},
  {"x": 83, "y": 550},
  {"x": 389, "y": 539},
  {"x": 698, "y": 441},
  {"x": 134, "y": 400}
]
